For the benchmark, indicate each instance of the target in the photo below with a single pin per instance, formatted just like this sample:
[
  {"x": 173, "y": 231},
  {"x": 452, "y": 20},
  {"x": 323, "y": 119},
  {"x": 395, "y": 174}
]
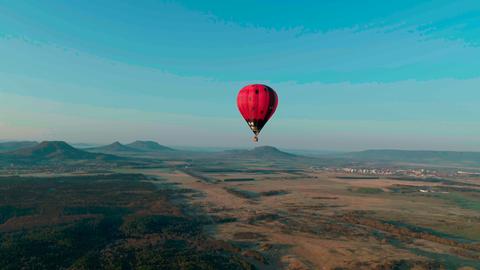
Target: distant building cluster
[
  {"x": 389, "y": 172},
  {"x": 366, "y": 171},
  {"x": 421, "y": 173}
]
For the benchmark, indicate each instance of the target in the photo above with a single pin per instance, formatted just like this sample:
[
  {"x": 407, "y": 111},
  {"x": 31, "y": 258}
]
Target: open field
[
  {"x": 315, "y": 220},
  {"x": 242, "y": 209}
]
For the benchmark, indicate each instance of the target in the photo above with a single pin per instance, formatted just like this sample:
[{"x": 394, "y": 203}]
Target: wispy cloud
[{"x": 398, "y": 75}]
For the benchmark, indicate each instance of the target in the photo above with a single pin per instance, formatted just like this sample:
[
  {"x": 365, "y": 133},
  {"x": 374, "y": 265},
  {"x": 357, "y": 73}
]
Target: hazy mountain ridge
[
  {"x": 15, "y": 145},
  {"x": 148, "y": 146},
  {"x": 421, "y": 156},
  {"x": 134, "y": 147},
  {"x": 265, "y": 152},
  {"x": 52, "y": 151},
  {"x": 58, "y": 150},
  {"x": 113, "y": 147}
]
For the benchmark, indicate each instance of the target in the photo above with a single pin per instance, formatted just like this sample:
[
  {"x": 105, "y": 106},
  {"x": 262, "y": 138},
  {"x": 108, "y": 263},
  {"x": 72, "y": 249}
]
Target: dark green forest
[{"x": 117, "y": 221}]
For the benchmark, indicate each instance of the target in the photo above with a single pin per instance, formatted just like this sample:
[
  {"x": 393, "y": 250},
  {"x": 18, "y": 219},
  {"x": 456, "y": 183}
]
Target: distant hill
[
  {"x": 263, "y": 152},
  {"x": 149, "y": 146},
  {"x": 52, "y": 151},
  {"x": 14, "y": 145},
  {"x": 114, "y": 147},
  {"x": 417, "y": 156}
]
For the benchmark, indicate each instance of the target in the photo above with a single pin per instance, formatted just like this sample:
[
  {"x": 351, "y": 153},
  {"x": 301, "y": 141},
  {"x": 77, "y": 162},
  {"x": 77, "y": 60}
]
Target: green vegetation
[
  {"x": 8, "y": 211},
  {"x": 117, "y": 221},
  {"x": 238, "y": 179},
  {"x": 464, "y": 200},
  {"x": 367, "y": 190},
  {"x": 274, "y": 193},
  {"x": 243, "y": 193},
  {"x": 433, "y": 180},
  {"x": 132, "y": 221}
]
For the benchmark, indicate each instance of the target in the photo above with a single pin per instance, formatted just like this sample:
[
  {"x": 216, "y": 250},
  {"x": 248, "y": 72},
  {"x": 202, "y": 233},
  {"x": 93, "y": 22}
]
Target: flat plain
[
  {"x": 245, "y": 209},
  {"x": 318, "y": 220}
]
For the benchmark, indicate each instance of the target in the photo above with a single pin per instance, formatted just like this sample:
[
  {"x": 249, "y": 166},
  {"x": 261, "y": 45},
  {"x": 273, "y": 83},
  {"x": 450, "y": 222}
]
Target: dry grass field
[{"x": 316, "y": 220}]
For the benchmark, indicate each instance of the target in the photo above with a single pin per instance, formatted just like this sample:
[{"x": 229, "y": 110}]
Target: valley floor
[
  {"x": 315, "y": 220},
  {"x": 212, "y": 216}
]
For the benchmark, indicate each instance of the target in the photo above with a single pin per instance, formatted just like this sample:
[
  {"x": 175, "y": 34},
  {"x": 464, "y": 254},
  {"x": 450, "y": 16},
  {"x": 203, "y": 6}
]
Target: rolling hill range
[
  {"x": 268, "y": 154},
  {"x": 136, "y": 147},
  {"x": 114, "y": 147},
  {"x": 53, "y": 151},
  {"x": 149, "y": 146},
  {"x": 421, "y": 157},
  {"x": 261, "y": 152},
  {"x": 15, "y": 145},
  {"x": 26, "y": 152}
]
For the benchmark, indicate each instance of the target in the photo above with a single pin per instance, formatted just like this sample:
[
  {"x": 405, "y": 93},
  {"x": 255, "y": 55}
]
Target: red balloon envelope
[{"x": 257, "y": 103}]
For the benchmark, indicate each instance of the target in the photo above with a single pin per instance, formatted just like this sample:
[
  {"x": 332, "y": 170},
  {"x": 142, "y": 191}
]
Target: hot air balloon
[{"x": 257, "y": 103}]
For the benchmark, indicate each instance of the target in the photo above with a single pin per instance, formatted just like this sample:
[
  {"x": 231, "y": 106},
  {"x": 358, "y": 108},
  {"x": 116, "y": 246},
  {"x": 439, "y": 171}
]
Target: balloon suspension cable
[{"x": 255, "y": 138}]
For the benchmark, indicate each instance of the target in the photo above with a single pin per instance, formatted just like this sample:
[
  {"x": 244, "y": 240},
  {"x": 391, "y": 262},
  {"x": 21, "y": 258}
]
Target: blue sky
[{"x": 350, "y": 74}]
